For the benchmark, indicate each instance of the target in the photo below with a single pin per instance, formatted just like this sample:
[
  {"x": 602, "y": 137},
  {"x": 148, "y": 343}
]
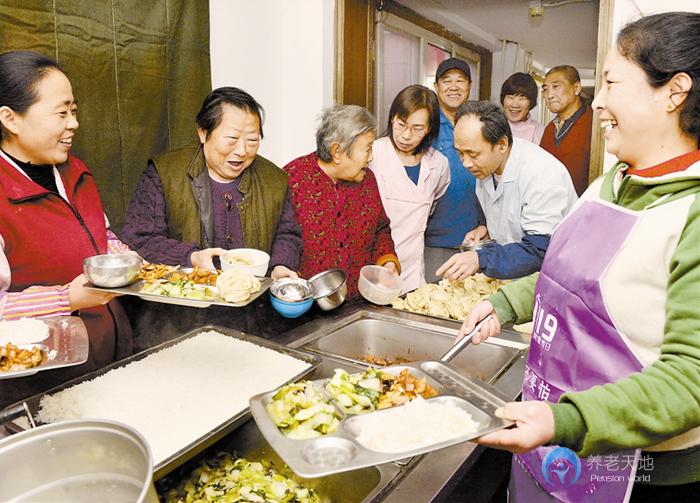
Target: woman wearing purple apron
[{"x": 611, "y": 395}]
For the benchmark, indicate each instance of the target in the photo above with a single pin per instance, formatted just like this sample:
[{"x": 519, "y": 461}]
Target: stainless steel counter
[{"x": 424, "y": 478}]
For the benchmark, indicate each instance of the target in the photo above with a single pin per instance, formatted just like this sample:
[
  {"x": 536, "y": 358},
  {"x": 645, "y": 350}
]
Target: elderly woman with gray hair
[{"x": 337, "y": 201}]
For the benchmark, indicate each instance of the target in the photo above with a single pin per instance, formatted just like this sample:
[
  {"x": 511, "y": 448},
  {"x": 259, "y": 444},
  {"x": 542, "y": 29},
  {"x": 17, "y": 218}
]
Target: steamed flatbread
[{"x": 237, "y": 286}]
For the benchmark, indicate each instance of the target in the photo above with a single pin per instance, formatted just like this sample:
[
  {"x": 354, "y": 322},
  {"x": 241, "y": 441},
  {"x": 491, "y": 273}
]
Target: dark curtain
[{"x": 139, "y": 70}]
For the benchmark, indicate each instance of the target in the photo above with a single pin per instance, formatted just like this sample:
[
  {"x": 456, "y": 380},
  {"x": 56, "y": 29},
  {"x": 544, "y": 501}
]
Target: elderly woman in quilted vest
[
  {"x": 51, "y": 218},
  {"x": 193, "y": 204}
]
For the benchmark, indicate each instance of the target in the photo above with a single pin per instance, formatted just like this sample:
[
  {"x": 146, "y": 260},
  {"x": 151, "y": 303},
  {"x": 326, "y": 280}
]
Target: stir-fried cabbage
[
  {"x": 301, "y": 411},
  {"x": 229, "y": 480},
  {"x": 375, "y": 389},
  {"x": 183, "y": 288},
  {"x": 356, "y": 393}
]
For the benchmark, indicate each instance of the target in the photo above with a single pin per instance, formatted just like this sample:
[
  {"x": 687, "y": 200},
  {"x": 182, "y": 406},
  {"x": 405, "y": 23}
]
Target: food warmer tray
[
  {"x": 66, "y": 345},
  {"x": 340, "y": 451},
  {"x": 135, "y": 290},
  {"x": 202, "y": 442}
]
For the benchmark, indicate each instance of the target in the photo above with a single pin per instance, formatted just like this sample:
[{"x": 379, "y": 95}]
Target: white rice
[
  {"x": 415, "y": 425},
  {"x": 178, "y": 394},
  {"x": 23, "y": 331}
]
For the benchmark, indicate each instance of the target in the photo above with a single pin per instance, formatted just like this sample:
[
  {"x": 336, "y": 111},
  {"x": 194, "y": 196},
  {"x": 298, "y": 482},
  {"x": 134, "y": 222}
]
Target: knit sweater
[{"x": 572, "y": 146}]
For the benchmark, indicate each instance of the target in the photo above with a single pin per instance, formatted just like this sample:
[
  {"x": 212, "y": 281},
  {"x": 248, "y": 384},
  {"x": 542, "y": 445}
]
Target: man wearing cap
[
  {"x": 568, "y": 136},
  {"x": 455, "y": 212}
]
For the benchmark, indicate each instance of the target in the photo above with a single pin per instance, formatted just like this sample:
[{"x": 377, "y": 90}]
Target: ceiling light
[{"x": 536, "y": 9}]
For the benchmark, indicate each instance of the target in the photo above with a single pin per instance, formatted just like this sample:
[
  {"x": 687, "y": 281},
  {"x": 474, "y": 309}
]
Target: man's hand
[
  {"x": 534, "y": 426},
  {"x": 204, "y": 258},
  {"x": 281, "y": 271},
  {"x": 459, "y": 266},
  {"x": 478, "y": 313},
  {"x": 476, "y": 234}
]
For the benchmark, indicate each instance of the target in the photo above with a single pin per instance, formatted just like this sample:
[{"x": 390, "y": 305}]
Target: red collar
[
  {"x": 679, "y": 163},
  {"x": 20, "y": 188}
]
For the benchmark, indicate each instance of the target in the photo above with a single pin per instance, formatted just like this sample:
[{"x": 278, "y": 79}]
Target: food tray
[
  {"x": 340, "y": 451},
  {"x": 66, "y": 345},
  {"x": 424, "y": 314},
  {"x": 196, "y": 446},
  {"x": 135, "y": 289}
]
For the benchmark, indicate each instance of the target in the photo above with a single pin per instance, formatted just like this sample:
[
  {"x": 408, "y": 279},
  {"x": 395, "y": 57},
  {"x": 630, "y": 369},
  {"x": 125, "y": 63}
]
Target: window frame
[{"x": 391, "y": 22}]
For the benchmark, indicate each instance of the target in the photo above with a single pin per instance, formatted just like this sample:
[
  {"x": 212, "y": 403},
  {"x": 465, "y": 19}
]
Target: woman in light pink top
[
  {"x": 518, "y": 97},
  {"x": 411, "y": 175}
]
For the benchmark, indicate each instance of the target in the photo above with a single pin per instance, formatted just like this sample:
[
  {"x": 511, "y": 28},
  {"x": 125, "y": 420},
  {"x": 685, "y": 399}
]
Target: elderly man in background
[
  {"x": 337, "y": 200},
  {"x": 524, "y": 192},
  {"x": 456, "y": 212},
  {"x": 568, "y": 136}
]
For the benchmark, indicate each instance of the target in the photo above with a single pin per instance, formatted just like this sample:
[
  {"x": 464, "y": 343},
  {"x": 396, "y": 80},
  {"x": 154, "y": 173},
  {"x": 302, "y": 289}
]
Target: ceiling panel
[{"x": 564, "y": 35}]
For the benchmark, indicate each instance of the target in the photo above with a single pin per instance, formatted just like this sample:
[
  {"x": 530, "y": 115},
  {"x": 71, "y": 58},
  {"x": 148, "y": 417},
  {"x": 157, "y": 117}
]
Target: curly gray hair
[{"x": 342, "y": 124}]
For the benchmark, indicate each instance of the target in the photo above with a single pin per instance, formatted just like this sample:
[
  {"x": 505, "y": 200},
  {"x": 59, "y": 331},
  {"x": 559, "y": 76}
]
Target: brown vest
[{"x": 190, "y": 215}]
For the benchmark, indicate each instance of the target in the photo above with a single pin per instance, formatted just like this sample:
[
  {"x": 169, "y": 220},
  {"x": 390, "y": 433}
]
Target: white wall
[{"x": 281, "y": 52}]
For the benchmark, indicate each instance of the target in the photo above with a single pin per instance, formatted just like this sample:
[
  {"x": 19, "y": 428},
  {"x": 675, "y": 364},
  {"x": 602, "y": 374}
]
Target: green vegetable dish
[
  {"x": 229, "y": 480},
  {"x": 356, "y": 393},
  {"x": 183, "y": 288},
  {"x": 301, "y": 411}
]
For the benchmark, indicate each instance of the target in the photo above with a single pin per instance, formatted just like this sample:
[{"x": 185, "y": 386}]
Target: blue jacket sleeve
[{"x": 513, "y": 260}]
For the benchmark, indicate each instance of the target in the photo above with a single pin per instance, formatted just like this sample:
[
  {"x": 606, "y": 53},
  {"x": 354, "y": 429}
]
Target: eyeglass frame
[{"x": 401, "y": 128}]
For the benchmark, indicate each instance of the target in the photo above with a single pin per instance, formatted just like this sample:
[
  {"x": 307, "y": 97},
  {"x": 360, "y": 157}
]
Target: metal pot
[
  {"x": 330, "y": 288},
  {"x": 77, "y": 461}
]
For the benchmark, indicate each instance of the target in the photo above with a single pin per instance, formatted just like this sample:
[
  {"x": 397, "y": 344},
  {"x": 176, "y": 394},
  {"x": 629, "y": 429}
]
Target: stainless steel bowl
[
  {"x": 291, "y": 290},
  {"x": 112, "y": 271},
  {"x": 330, "y": 288},
  {"x": 77, "y": 461}
]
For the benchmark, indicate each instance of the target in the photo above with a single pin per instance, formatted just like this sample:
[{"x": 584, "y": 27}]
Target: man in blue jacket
[{"x": 457, "y": 211}]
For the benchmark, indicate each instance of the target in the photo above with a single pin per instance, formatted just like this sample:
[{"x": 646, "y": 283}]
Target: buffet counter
[
  {"x": 500, "y": 361},
  {"x": 340, "y": 337}
]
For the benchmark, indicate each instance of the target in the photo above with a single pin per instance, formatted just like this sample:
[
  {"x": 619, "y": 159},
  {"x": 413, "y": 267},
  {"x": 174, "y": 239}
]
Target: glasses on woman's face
[{"x": 417, "y": 131}]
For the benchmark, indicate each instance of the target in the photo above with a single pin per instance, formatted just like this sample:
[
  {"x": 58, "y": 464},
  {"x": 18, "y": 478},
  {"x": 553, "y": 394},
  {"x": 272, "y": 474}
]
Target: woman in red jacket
[{"x": 51, "y": 217}]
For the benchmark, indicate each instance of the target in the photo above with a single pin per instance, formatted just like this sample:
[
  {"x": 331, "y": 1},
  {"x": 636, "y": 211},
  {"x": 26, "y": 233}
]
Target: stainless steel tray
[
  {"x": 423, "y": 314},
  {"x": 212, "y": 436},
  {"x": 66, "y": 345},
  {"x": 340, "y": 451},
  {"x": 135, "y": 289}
]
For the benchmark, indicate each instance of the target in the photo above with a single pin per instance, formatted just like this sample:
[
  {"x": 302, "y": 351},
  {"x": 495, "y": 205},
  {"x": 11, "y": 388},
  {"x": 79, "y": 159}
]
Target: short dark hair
[
  {"x": 494, "y": 124},
  {"x": 209, "y": 116},
  {"x": 569, "y": 72},
  {"x": 409, "y": 100},
  {"x": 20, "y": 72},
  {"x": 664, "y": 45},
  {"x": 520, "y": 83}
]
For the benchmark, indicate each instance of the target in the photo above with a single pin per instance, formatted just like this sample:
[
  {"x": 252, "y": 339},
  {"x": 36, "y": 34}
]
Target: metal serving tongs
[
  {"x": 16, "y": 411},
  {"x": 464, "y": 341}
]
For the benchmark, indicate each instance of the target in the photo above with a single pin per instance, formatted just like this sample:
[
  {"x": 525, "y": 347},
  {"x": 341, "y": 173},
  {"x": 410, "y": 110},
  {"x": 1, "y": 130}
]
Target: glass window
[
  {"x": 398, "y": 69},
  {"x": 434, "y": 55}
]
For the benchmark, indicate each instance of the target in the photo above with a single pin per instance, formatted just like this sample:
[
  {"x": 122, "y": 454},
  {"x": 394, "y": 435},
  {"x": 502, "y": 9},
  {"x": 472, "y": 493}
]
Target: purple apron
[{"x": 574, "y": 347}]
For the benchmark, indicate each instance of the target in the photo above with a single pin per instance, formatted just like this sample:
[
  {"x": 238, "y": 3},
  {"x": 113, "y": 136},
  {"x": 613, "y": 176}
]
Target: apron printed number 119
[{"x": 544, "y": 325}]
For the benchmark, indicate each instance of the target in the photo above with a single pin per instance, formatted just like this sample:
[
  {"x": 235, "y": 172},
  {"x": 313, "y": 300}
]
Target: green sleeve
[
  {"x": 514, "y": 302},
  {"x": 661, "y": 401}
]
